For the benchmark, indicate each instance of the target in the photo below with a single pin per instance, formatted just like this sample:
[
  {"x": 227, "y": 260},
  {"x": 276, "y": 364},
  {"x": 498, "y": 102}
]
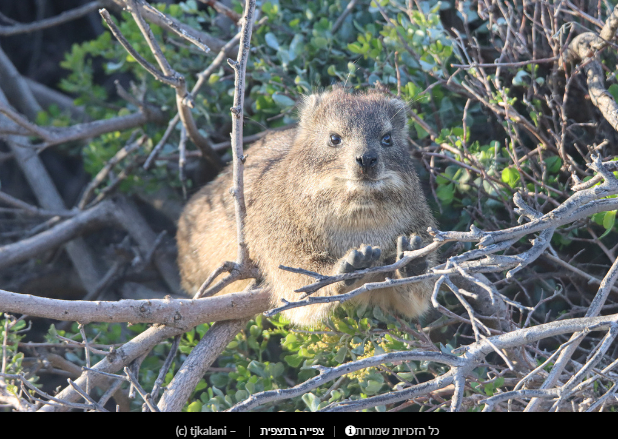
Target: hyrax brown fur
[{"x": 335, "y": 194}]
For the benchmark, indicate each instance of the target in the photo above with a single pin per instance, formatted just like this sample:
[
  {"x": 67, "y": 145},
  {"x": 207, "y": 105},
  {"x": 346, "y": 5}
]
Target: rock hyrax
[{"x": 335, "y": 194}]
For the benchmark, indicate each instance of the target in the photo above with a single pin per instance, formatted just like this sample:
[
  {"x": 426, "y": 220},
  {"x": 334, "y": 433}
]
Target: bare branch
[
  {"x": 145, "y": 396},
  {"x": 584, "y": 48},
  {"x": 222, "y": 9},
  {"x": 240, "y": 67},
  {"x": 595, "y": 308},
  {"x": 57, "y": 135},
  {"x": 63, "y": 17},
  {"x": 165, "y": 368},
  {"x": 177, "y": 313},
  {"x": 506, "y": 64},
  {"x": 343, "y": 16},
  {"x": 155, "y": 18},
  {"x": 173, "y": 25},
  {"x": 168, "y": 76},
  {"x": 104, "y": 172},
  {"x": 172, "y": 79},
  {"x": 330, "y": 373},
  {"x": 33, "y": 210},
  {"x": 197, "y": 363},
  {"x": 243, "y": 268},
  {"x": 98, "y": 216},
  {"x": 473, "y": 355}
]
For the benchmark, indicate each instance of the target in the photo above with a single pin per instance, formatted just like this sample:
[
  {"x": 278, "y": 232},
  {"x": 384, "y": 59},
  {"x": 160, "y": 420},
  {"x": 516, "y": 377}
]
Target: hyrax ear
[
  {"x": 398, "y": 111},
  {"x": 307, "y": 106}
]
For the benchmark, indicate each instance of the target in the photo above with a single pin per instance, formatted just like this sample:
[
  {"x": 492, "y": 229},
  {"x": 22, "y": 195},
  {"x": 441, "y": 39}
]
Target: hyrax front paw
[
  {"x": 359, "y": 259},
  {"x": 417, "y": 266}
]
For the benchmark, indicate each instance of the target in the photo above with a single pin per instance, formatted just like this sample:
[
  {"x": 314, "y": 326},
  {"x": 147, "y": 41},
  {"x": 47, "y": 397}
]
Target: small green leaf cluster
[
  {"x": 13, "y": 333},
  {"x": 606, "y": 219},
  {"x": 268, "y": 355}
]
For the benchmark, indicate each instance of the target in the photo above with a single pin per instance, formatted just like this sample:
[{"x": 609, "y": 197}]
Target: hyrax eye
[
  {"x": 335, "y": 140},
  {"x": 387, "y": 140}
]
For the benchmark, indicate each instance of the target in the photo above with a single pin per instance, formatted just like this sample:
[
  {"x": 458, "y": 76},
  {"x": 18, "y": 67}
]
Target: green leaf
[
  {"x": 320, "y": 42},
  {"x": 598, "y": 218},
  {"x": 271, "y": 40},
  {"x": 608, "y": 222},
  {"x": 489, "y": 389},
  {"x": 195, "y": 407},
  {"x": 341, "y": 354},
  {"x": 276, "y": 369},
  {"x": 613, "y": 90},
  {"x": 446, "y": 193},
  {"x": 219, "y": 379},
  {"x": 201, "y": 329},
  {"x": 255, "y": 331},
  {"x": 201, "y": 385},
  {"x": 293, "y": 360},
  {"x": 519, "y": 77},
  {"x": 241, "y": 395},
  {"x": 283, "y": 101},
  {"x": 257, "y": 368},
  {"x": 250, "y": 387},
  {"x": 378, "y": 314},
  {"x": 343, "y": 327},
  {"x": 296, "y": 47},
  {"x": 312, "y": 401},
  {"x": 609, "y": 219},
  {"x": 355, "y": 48},
  {"x": 553, "y": 164},
  {"x": 373, "y": 387},
  {"x": 510, "y": 176},
  {"x": 12, "y": 389},
  {"x": 420, "y": 131}
]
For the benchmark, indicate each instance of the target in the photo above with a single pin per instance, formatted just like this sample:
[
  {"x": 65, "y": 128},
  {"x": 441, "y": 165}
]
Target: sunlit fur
[{"x": 308, "y": 204}]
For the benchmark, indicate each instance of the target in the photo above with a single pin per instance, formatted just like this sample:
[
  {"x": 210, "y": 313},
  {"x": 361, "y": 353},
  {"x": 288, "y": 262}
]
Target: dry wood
[{"x": 178, "y": 313}]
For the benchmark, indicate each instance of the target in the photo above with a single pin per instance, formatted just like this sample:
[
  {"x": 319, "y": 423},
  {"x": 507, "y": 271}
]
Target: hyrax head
[{"x": 352, "y": 143}]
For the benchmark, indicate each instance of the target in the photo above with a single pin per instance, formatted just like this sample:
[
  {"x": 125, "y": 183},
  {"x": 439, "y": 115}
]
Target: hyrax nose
[{"x": 367, "y": 161}]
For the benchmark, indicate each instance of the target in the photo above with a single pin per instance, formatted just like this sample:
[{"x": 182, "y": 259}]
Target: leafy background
[{"x": 295, "y": 53}]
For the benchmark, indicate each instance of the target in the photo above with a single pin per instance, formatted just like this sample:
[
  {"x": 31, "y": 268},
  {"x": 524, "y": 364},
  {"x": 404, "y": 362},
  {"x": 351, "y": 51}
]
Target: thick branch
[
  {"x": 178, "y": 313},
  {"x": 16, "y": 89},
  {"x": 584, "y": 48},
  {"x": 197, "y": 363},
  {"x": 99, "y": 216}
]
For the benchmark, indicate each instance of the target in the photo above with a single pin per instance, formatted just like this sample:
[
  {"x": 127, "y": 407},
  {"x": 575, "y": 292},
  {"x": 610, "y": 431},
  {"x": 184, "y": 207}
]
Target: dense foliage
[{"x": 472, "y": 170}]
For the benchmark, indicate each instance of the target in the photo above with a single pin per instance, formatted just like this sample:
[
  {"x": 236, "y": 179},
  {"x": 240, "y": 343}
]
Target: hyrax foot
[
  {"x": 416, "y": 266},
  {"x": 359, "y": 259}
]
